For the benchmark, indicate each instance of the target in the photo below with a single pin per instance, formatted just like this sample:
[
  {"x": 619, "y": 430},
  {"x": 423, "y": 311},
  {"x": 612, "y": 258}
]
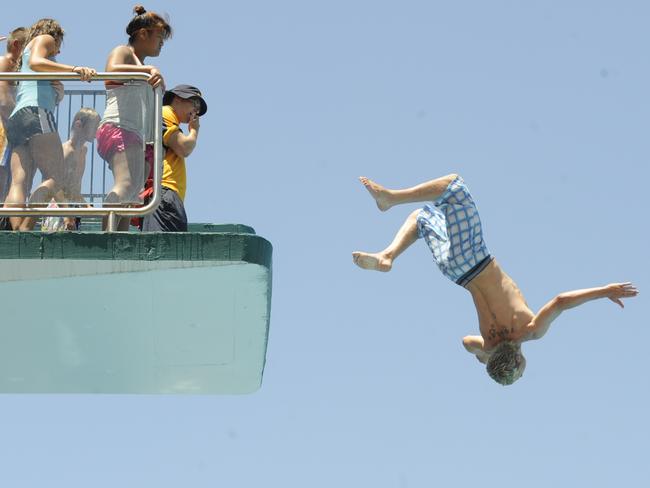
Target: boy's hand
[
  {"x": 616, "y": 291},
  {"x": 194, "y": 122}
]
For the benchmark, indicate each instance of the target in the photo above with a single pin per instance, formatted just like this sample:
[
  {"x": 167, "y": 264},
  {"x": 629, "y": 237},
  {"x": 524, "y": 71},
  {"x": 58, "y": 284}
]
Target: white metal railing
[{"x": 111, "y": 212}]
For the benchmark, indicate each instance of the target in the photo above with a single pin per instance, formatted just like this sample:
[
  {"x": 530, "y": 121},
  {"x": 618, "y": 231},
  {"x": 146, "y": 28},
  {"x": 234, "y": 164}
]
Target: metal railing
[{"x": 111, "y": 212}]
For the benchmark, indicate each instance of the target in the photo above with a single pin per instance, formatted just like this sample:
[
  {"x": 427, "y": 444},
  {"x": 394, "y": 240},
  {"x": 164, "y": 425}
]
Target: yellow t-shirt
[{"x": 173, "y": 176}]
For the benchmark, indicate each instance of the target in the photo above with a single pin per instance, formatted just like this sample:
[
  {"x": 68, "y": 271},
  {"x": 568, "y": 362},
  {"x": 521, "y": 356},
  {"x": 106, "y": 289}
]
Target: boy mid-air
[{"x": 451, "y": 226}]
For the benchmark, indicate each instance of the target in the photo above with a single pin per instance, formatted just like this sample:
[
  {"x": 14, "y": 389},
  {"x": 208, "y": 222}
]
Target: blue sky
[{"x": 541, "y": 106}]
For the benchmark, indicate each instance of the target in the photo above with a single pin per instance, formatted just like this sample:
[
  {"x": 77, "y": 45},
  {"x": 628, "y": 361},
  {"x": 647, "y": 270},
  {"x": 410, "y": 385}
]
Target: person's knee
[
  {"x": 45, "y": 191},
  {"x": 52, "y": 171},
  {"x": 53, "y": 185},
  {"x": 452, "y": 177}
]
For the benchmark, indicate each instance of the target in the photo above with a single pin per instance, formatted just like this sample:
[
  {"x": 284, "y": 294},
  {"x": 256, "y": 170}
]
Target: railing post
[{"x": 111, "y": 225}]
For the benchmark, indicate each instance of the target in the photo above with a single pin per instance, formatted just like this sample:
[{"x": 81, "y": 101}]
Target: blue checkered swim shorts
[{"x": 452, "y": 228}]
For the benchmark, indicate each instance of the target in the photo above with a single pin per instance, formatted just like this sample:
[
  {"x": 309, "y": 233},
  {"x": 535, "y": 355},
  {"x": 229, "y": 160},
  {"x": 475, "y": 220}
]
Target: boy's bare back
[{"x": 74, "y": 164}]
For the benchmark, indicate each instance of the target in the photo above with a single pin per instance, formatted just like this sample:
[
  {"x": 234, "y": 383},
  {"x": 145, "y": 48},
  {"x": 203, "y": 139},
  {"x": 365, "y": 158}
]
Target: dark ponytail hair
[{"x": 147, "y": 20}]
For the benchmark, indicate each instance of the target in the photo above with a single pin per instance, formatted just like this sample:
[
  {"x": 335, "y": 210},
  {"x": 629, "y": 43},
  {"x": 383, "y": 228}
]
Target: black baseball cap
[{"x": 185, "y": 91}]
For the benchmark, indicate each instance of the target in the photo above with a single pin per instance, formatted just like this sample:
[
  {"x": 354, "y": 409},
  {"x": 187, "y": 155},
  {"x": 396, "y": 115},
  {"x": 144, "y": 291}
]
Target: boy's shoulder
[
  {"x": 70, "y": 150},
  {"x": 5, "y": 64}
]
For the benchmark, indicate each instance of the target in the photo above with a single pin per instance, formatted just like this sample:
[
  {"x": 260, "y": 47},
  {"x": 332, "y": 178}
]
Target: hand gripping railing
[{"x": 110, "y": 212}]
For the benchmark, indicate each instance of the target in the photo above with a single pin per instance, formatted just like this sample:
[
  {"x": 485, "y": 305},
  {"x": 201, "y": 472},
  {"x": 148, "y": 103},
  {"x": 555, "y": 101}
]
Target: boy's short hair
[
  {"x": 84, "y": 115},
  {"x": 17, "y": 35},
  {"x": 506, "y": 363}
]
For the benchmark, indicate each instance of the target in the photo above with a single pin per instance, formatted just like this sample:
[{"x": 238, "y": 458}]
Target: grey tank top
[{"x": 130, "y": 106}]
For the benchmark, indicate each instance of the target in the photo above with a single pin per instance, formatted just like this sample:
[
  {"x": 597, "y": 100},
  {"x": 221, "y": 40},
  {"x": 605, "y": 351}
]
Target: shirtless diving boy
[{"x": 451, "y": 227}]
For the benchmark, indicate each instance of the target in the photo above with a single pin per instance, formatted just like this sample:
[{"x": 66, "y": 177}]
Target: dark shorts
[
  {"x": 169, "y": 216},
  {"x": 27, "y": 123}
]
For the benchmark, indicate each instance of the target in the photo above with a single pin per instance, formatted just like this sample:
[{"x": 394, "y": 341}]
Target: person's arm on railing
[
  {"x": 118, "y": 61},
  {"x": 45, "y": 46}
]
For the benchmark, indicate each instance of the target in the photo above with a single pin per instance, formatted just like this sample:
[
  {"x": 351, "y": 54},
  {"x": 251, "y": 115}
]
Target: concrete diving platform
[{"x": 130, "y": 312}]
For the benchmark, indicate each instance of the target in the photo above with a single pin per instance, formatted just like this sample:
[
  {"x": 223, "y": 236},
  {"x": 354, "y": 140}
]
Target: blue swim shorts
[{"x": 452, "y": 229}]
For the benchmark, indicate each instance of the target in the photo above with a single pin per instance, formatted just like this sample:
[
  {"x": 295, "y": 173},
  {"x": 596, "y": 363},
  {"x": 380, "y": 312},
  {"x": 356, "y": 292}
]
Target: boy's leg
[
  {"x": 383, "y": 261},
  {"x": 425, "y": 192}
]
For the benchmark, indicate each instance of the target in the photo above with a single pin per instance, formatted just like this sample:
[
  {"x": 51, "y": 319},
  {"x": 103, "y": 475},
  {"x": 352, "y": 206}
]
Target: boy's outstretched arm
[{"x": 564, "y": 301}]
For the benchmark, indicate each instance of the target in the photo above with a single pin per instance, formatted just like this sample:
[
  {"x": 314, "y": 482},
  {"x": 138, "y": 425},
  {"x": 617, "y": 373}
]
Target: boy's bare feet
[
  {"x": 381, "y": 195},
  {"x": 377, "y": 261}
]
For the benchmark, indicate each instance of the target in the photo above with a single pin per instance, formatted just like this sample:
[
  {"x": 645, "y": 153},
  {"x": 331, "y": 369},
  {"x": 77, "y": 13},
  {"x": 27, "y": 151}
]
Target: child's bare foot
[
  {"x": 378, "y": 192},
  {"x": 377, "y": 261}
]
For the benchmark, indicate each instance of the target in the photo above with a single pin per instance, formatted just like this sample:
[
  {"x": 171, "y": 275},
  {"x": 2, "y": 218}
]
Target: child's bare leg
[
  {"x": 424, "y": 192},
  {"x": 128, "y": 168},
  {"x": 47, "y": 155},
  {"x": 128, "y": 172},
  {"x": 383, "y": 261}
]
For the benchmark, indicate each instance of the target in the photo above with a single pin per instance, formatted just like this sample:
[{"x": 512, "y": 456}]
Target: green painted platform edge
[
  {"x": 228, "y": 228},
  {"x": 154, "y": 246},
  {"x": 94, "y": 224}
]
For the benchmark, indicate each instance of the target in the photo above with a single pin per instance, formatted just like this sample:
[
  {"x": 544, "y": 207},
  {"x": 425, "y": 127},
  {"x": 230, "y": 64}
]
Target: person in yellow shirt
[{"x": 183, "y": 104}]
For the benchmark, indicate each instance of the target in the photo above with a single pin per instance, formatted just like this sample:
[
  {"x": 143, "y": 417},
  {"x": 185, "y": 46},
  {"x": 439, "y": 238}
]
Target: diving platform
[{"x": 131, "y": 312}]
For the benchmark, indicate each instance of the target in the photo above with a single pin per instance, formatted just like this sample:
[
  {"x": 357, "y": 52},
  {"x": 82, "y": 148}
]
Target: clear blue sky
[{"x": 543, "y": 107}]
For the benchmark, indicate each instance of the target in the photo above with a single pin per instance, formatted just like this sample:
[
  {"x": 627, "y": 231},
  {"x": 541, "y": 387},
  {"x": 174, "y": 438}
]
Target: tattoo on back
[{"x": 502, "y": 333}]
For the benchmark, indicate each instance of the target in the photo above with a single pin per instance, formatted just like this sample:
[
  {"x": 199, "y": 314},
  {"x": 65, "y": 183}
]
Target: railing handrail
[
  {"x": 69, "y": 75},
  {"x": 111, "y": 212}
]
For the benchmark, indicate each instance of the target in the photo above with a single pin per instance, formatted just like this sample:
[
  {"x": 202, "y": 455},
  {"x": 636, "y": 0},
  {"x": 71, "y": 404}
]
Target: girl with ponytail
[{"x": 127, "y": 123}]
